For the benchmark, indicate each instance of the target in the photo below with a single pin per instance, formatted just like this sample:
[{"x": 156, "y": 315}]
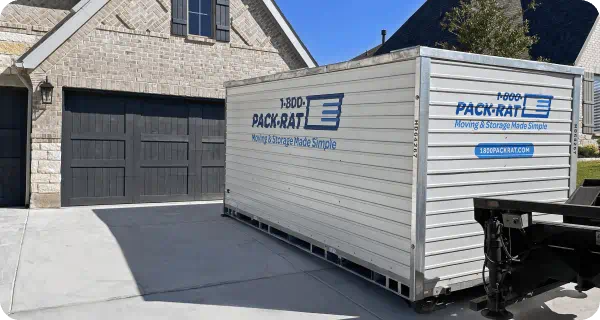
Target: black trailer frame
[{"x": 526, "y": 258}]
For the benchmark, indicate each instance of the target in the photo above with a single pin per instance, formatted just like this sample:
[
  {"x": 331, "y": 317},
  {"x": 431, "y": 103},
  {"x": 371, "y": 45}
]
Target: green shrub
[{"x": 588, "y": 151}]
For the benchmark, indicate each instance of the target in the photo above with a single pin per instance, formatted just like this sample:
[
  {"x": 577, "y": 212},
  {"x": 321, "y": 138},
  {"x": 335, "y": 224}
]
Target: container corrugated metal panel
[
  {"x": 457, "y": 172},
  {"x": 397, "y": 192},
  {"x": 356, "y": 198}
]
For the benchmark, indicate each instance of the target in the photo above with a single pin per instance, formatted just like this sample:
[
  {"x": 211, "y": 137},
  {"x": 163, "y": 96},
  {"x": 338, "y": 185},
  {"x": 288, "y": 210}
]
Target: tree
[{"x": 488, "y": 27}]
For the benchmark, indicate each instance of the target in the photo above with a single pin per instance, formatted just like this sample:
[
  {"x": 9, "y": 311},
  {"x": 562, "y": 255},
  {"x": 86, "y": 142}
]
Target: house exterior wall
[
  {"x": 589, "y": 58},
  {"x": 12, "y": 45},
  {"x": 22, "y": 24},
  {"x": 127, "y": 46}
]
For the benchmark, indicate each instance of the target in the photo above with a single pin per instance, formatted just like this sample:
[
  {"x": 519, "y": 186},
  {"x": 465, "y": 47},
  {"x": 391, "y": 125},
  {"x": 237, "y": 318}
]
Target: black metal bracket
[{"x": 527, "y": 257}]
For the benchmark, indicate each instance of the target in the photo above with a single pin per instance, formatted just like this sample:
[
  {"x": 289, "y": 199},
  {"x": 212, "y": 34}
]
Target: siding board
[
  {"x": 356, "y": 198},
  {"x": 456, "y": 174}
]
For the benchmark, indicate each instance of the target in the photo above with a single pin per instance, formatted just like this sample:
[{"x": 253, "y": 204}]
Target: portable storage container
[{"x": 373, "y": 164}]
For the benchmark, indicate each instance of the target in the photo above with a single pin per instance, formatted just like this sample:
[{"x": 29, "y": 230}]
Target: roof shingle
[{"x": 562, "y": 26}]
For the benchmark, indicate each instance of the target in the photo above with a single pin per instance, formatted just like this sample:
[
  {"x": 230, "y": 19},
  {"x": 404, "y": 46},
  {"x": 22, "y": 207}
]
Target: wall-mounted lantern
[{"x": 47, "y": 90}]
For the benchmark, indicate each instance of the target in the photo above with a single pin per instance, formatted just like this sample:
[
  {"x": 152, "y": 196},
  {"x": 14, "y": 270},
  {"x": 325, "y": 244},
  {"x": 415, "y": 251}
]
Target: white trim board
[{"x": 289, "y": 32}]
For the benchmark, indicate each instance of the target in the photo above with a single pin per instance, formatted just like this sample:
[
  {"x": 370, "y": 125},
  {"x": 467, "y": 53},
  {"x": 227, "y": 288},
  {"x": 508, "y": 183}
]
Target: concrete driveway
[{"x": 185, "y": 261}]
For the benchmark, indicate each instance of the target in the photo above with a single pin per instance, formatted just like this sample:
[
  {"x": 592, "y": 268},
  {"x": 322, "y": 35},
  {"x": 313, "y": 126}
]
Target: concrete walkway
[{"x": 186, "y": 261}]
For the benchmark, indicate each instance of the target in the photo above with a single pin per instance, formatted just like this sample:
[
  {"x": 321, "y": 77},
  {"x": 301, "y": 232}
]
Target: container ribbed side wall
[
  {"x": 510, "y": 139},
  {"x": 355, "y": 198}
]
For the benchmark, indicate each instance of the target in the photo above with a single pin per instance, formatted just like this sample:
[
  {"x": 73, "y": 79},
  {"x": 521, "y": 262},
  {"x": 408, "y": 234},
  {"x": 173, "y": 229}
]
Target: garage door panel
[
  {"x": 98, "y": 149},
  {"x": 162, "y": 181},
  {"x": 164, "y": 117},
  {"x": 212, "y": 177},
  {"x": 98, "y": 133},
  {"x": 98, "y": 182},
  {"x": 165, "y": 139},
  {"x": 99, "y": 115},
  {"x": 213, "y": 183},
  {"x": 13, "y": 107},
  {"x": 11, "y": 171},
  {"x": 10, "y": 141},
  {"x": 155, "y": 151},
  {"x": 146, "y": 149}
]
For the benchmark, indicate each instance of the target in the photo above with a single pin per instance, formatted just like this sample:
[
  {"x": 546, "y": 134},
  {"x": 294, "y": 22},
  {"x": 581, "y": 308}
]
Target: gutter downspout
[{"x": 28, "y": 139}]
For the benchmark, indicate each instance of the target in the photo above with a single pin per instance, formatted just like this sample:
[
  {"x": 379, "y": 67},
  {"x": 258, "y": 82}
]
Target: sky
[{"x": 338, "y": 30}]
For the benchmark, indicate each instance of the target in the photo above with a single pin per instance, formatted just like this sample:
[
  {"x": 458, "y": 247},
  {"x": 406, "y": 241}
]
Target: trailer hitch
[{"x": 525, "y": 257}]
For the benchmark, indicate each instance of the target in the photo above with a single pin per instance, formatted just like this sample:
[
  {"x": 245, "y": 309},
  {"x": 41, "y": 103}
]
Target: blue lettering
[
  {"x": 517, "y": 107},
  {"x": 509, "y": 110},
  {"x": 487, "y": 111},
  {"x": 261, "y": 121},
  {"x": 461, "y": 106},
  {"x": 299, "y": 116},
  {"x": 268, "y": 120},
  {"x": 477, "y": 111},
  {"x": 292, "y": 122},
  {"x": 284, "y": 121},
  {"x": 254, "y": 120},
  {"x": 469, "y": 109},
  {"x": 500, "y": 110},
  {"x": 274, "y": 120}
]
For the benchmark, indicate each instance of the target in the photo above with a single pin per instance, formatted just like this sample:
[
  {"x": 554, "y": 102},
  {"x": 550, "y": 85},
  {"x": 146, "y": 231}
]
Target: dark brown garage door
[
  {"x": 131, "y": 149},
  {"x": 13, "y": 109}
]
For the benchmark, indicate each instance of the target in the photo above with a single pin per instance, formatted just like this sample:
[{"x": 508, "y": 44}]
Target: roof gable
[
  {"x": 80, "y": 14},
  {"x": 86, "y": 9}
]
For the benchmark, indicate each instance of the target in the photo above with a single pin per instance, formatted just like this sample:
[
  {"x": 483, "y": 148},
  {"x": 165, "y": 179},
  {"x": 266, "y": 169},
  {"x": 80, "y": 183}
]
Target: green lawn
[{"x": 587, "y": 170}]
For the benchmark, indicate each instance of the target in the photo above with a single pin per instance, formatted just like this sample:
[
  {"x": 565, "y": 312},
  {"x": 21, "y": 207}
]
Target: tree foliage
[{"x": 491, "y": 28}]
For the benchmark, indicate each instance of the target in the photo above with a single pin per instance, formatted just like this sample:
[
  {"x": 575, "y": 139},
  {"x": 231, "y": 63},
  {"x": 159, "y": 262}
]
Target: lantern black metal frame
[{"x": 47, "y": 90}]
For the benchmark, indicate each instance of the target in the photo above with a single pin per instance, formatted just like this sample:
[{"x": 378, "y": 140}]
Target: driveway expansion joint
[
  {"x": 12, "y": 289},
  {"x": 224, "y": 283}
]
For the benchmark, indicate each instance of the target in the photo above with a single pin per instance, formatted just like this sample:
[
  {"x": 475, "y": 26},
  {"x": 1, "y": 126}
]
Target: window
[
  {"x": 205, "y": 18},
  {"x": 201, "y": 18}
]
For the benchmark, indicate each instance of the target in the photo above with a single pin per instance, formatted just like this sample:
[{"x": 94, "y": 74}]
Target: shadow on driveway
[{"x": 190, "y": 254}]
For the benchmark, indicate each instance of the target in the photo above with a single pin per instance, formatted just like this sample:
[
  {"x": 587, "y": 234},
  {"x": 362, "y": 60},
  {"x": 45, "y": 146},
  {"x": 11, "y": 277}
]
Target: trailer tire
[{"x": 425, "y": 306}]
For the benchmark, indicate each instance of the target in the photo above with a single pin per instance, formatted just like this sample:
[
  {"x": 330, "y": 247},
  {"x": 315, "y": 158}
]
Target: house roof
[
  {"x": 562, "y": 26},
  {"x": 86, "y": 9},
  {"x": 367, "y": 54}
]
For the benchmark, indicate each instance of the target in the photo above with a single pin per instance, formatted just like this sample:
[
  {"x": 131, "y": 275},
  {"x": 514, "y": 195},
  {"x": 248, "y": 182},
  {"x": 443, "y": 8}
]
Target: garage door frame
[{"x": 134, "y": 109}]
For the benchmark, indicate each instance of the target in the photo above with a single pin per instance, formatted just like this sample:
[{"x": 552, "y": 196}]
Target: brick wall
[
  {"x": 127, "y": 46},
  {"x": 12, "y": 45},
  {"x": 22, "y": 24},
  {"x": 34, "y": 16}
]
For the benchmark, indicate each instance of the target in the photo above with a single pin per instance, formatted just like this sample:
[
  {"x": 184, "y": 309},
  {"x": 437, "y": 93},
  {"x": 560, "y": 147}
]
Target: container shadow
[{"x": 191, "y": 254}]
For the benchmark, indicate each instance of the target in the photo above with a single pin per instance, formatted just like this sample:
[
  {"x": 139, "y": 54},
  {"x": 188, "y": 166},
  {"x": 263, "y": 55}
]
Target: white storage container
[{"x": 373, "y": 164}]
